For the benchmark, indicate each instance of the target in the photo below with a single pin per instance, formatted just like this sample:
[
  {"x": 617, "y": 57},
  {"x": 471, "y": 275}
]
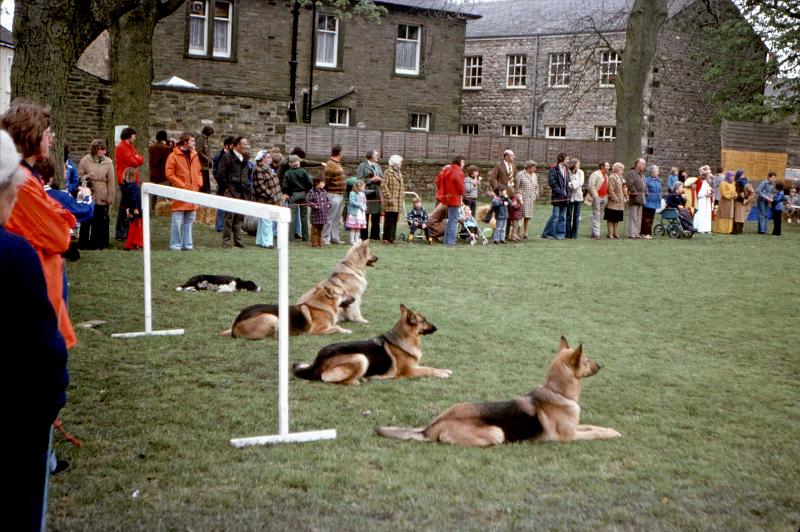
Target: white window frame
[
  {"x": 204, "y": 18},
  {"x": 416, "y": 118},
  {"x": 512, "y": 130},
  {"x": 335, "y": 33},
  {"x": 473, "y": 72},
  {"x": 518, "y": 79},
  {"x": 469, "y": 129},
  {"x": 605, "y": 133},
  {"x": 339, "y": 112},
  {"x": 229, "y": 20},
  {"x": 555, "y": 132},
  {"x": 610, "y": 62},
  {"x": 418, "y": 41},
  {"x": 559, "y": 69}
]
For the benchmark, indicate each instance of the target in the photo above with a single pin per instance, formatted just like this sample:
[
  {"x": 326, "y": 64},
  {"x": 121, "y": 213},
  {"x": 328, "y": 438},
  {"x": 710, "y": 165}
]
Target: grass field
[{"x": 698, "y": 339}]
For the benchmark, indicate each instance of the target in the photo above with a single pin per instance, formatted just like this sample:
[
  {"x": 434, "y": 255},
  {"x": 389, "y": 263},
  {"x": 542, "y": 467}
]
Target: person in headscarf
[
  {"x": 743, "y": 201},
  {"x": 705, "y": 198},
  {"x": 727, "y": 195}
]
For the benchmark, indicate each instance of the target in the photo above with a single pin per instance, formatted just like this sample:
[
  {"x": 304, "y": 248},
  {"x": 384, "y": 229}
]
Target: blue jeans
[
  {"x": 573, "y": 218},
  {"x": 452, "y": 225},
  {"x": 265, "y": 232},
  {"x": 556, "y": 226},
  {"x": 180, "y": 232},
  {"x": 298, "y": 224},
  {"x": 763, "y": 215},
  {"x": 499, "y": 234},
  {"x": 220, "y": 222}
]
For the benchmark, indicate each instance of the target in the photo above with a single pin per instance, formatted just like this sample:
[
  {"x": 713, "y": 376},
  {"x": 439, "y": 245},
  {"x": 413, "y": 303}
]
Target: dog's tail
[
  {"x": 227, "y": 332},
  {"x": 401, "y": 433},
  {"x": 302, "y": 370}
]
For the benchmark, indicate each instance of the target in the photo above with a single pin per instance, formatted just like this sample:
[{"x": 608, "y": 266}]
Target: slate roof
[
  {"x": 464, "y": 8},
  {"x": 516, "y": 18},
  {"x": 6, "y": 37}
]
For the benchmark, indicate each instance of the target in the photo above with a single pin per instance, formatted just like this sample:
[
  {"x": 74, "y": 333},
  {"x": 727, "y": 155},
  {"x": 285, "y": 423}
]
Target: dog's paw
[
  {"x": 613, "y": 433},
  {"x": 445, "y": 373},
  {"x": 346, "y": 331},
  {"x": 361, "y": 320}
]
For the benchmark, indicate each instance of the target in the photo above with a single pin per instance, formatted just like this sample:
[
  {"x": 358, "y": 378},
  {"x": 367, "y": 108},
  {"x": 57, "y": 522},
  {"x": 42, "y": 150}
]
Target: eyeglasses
[{"x": 49, "y": 133}]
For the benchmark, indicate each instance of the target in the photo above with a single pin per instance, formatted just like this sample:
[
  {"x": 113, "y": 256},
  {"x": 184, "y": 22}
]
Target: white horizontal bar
[
  {"x": 250, "y": 208},
  {"x": 295, "y": 437},
  {"x": 166, "y": 332}
]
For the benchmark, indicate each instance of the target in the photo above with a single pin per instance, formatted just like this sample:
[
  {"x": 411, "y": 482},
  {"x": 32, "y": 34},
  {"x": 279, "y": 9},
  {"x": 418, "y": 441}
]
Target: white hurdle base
[
  {"x": 295, "y": 437},
  {"x": 166, "y": 332}
]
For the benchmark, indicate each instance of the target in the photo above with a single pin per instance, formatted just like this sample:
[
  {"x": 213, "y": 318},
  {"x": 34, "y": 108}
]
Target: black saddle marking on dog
[
  {"x": 379, "y": 360},
  {"x": 516, "y": 424},
  {"x": 297, "y": 320}
]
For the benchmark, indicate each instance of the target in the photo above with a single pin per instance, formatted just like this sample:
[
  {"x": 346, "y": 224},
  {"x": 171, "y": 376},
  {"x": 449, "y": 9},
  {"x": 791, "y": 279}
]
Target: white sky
[{"x": 7, "y": 13}]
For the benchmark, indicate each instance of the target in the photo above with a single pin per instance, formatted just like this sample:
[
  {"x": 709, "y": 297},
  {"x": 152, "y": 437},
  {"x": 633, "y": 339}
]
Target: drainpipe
[
  {"x": 292, "y": 112},
  {"x": 536, "y": 114},
  {"x": 307, "y": 103},
  {"x": 535, "y": 97}
]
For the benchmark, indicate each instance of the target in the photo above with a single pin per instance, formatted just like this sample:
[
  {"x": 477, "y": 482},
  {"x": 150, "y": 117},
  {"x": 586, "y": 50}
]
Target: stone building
[
  {"x": 6, "y": 58},
  {"x": 546, "y": 68},
  {"x": 402, "y": 72}
]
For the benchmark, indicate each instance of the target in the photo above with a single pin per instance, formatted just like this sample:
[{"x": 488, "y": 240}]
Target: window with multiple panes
[
  {"x": 408, "y": 45},
  {"x": 210, "y": 21},
  {"x": 420, "y": 121},
  {"x": 512, "y": 130},
  {"x": 605, "y": 132},
  {"x": 338, "y": 117},
  {"x": 609, "y": 67},
  {"x": 559, "y": 69},
  {"x": 516, "y": 70},
  {"x": 556, "y": 132},
  {"x": 473, "y": 72},
  {"x": 327, "y": 40},
  {"x": 469, "y": 129}
]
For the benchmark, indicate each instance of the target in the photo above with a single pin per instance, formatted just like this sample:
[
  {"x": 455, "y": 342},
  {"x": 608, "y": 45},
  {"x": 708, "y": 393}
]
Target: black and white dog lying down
[{"x": 218, "y": 283}]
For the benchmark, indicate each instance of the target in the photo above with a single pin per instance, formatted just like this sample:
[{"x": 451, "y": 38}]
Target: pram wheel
[
  {"x": 659, "y": 231},
  {"x": 485, "y": 242},
  {"x": 472, "y": 242},
  {"x": 688, "y": 234},
  {"x": 674, "y": 231}
]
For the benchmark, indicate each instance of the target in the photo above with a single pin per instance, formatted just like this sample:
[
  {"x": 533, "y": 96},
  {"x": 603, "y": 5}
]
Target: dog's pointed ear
[
  {"x": 403, "y": 310},
  {"x": 576, "y": 356},
  {"x": 329, "y": 292},
  {"x": 564, "y": 344}
]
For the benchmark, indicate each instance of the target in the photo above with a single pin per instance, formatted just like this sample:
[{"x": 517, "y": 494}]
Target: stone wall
[
  {"x": 381, "y": 99},
  {"x": 87, "y": 111},
  {"x": 579, "y": 107}
]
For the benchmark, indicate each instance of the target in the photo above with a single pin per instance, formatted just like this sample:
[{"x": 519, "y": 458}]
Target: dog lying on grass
[
  {"x": 549, "y": 412},
  {"x": 217, "y": 283},
  {"x": 316, "y": 316},
  {"x": 394, "y": 354},
  {"x": 350, "y": 275}
]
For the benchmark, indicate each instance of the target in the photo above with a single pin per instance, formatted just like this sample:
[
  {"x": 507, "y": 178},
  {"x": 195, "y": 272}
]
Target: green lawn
[{"x": 698, "y": 340}]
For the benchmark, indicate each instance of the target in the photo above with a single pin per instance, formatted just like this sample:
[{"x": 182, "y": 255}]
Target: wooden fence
[{"x": 317, "y": 142}]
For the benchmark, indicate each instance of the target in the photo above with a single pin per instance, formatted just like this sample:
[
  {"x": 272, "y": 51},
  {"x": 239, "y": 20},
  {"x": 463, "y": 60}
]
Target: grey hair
[
  {"x": 652, "y": 168},
  {"x": 528, "y": 164},
  {"x": 294, "y": 159},
  {"x": 395, "y": 160},
  {"x": 9, "y": 162},
  {"x": 676, "y": 186}
]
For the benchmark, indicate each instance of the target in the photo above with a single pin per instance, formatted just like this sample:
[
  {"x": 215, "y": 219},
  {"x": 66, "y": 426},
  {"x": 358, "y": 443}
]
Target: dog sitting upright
[
  {"x": 549, "y": 412},
  {"x": 316, "y": 316},
  {"x": 349, "y": 275},
  {"x": 393, "y": 354}
]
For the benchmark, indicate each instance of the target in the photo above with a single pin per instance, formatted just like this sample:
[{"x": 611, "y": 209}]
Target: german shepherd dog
[
  {"x": 217, "y": 283},
  {"x": 349, "y": 275},
  {"x": 549, "y": 412},
  {"x": 393, "y": 354},
  {"x": 316, "y": 316}
]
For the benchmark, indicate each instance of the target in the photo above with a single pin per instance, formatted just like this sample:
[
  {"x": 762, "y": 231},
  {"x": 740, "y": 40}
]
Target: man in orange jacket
[{"x": 183, "y": 170}]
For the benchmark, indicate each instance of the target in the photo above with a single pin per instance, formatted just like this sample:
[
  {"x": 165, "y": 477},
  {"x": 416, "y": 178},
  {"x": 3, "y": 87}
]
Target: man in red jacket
[
  {"x": 449, "y": 191},
  {"x": 183, "y": 170},
  {"x": 126, "y": 156}
]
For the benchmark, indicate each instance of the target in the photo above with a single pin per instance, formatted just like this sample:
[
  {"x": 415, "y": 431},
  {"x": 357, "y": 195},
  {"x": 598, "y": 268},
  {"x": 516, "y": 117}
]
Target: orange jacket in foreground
[
  {"x": 45, "y": 224},
  {"x": 184, "y": 172}
]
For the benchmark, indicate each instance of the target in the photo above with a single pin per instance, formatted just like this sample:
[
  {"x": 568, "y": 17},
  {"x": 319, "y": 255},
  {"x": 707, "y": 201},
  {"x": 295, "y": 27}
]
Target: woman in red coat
[
  {"x": 450, "y": 190},
  {"x": 126, "y": 156}
]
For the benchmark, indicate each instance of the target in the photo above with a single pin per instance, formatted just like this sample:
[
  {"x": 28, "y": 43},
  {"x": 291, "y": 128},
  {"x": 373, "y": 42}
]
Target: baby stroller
[
  {"x": 417, "y": 234},
  {"x": 468, "y": 230},
  {"x": 670, "y": 225}
]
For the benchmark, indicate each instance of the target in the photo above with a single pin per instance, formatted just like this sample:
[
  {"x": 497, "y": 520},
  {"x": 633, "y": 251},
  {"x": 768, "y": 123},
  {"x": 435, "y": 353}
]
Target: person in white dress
[{"x": 705, "y": 201}]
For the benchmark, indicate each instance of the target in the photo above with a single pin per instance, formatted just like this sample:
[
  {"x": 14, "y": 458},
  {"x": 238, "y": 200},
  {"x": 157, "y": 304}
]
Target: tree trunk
[
  {"x": 131, "y": 58},
  {"x": 641, "y": 34},
  {"x": 50, "y": 37}
]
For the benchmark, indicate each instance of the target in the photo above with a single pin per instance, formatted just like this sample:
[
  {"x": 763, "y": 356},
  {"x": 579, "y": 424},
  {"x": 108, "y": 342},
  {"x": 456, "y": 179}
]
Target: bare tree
[
  {"x": 131, "y": 58},
  {"x": 50, "y": 37}
]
